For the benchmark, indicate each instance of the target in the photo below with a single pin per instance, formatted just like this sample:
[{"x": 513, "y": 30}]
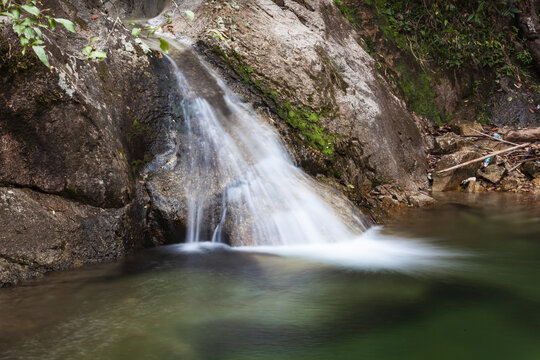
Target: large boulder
[
  {"x": 42, "y": 232},
  {"x": 304, "y": 62},
  {"x": 71, "y": 139}
]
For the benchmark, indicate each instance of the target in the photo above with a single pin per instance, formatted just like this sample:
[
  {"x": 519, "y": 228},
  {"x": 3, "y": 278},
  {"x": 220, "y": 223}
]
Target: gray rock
[
  {"x": 421, "y": 200},
  {"x": 42, "y": 232},
  {"x": 532, "y": 168},
  {"x": 492, "y": 173},
  {"x": 464, "y": 127},
  {"x": 451, "y": 180},
  {"x": 317, "y": 63},
  {"x": 70, "y": 141},
  {"x": 449, "y": 143}
]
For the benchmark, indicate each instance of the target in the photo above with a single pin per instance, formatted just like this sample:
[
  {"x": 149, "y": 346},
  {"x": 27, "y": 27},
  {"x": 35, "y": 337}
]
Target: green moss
[
  {"x": 303, "y": 118},
  {"x": 139, "y": 129},
  {"x": 438, "y": 36},
  {"x": 348, "y": 13},
  {"x": 14, "y": 62},
  {"x": 307, "y": 121},
  {"x": 72, "y": 192},
  {"x": 413, "y": 83},
  {"x": 137, "y": 164},
  {"x": 451, "y": 33},
  {"x": 420, "y": 96}
]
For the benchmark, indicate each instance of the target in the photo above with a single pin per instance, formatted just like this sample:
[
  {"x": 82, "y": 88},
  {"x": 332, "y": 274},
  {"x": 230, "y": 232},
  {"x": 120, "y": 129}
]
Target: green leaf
[
  {"x": 190, "y": 14},
  {"x": 16, "y": 14},
  {"x": 18, "y": 28},
  {"x": 98, "y": 54},
  {"x": 52, "y": 24},
  {"x": 29, "y": 33},
  {"x": 94, "y": 39},
  {"x": 29, "y": 21},
  {"x": 42, "y": 55},
  {"x": 164, "y": 45},
  {"x": 38, "y": 32},
  {"x": 67, "y": 24},
  {"x": 87, "y": 50},
  {"x": 31, "y": 9},
  {"x": 24, "y": 42},
  {"x": 136, "y": 32},
  {"x": 6, "y": 14}
]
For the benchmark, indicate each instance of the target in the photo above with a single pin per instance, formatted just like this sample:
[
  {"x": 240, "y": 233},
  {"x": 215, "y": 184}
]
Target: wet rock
[
  {"x": 421, "y": 200},
  {"x": 492, "y": 173},
  {"x": 70, "y": 143},
  {"x": 532, "y": 168},
  {"x": 77, "y": 130},
  {"x": 509, "y": 184},
  {"x": 42, "y": 232},
  {"x": 451, "y": 180},
  {"x": 312, "y": 60},
  {"x": 475, "y": 186}
]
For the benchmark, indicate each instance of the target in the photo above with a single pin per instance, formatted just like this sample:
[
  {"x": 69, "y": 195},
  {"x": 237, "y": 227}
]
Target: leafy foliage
[
  {"x": 452, "y": 33},
  {"x": 29, "y": 22}
]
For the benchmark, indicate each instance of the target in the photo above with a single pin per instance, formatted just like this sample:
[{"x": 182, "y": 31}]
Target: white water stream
[
  {"x": 266, "y": 200},
  {"x": 243, "y": 188},
  {"x": 269, "y": 203}
]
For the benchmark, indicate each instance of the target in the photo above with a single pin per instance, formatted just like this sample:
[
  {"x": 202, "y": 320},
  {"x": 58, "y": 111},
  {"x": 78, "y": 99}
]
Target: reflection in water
[{"x": 210, "y": 302}]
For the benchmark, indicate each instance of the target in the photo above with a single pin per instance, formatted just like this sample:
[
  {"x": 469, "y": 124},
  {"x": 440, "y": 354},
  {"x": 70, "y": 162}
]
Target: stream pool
[{"x": 469, "y": 290}]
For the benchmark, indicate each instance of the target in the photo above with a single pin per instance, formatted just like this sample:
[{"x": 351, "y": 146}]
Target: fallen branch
[
  {"x": 494, "y": 138},
  {"x": 484, "y": 157},
  {"x": 525, "y": 135},
  {"x": 523, "y": 161},
  {"x": 515, "y": 167}
]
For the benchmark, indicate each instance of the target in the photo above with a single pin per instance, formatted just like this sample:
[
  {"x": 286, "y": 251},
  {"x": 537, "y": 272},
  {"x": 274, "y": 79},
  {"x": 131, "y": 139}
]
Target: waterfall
[{"x": 233, "y": 153}]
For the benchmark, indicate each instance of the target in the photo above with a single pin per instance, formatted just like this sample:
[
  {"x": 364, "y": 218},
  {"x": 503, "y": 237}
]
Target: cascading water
[
  {"x": 265, "y": 199},
  {"x": 227, "y": 166},
  {"x": 240, "y": 187}
]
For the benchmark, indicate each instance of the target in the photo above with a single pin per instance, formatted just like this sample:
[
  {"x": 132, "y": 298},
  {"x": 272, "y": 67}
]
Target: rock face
[
  {"x": 72, "y": 139},
  {"x": 70, "y": 142},
  {"x": 304, "y": 61},
  {"x": 42, "y": 232}
]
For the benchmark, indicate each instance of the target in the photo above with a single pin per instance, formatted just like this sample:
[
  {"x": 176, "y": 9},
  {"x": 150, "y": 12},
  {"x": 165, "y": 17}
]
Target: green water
[{"x": 221, "y": 304}]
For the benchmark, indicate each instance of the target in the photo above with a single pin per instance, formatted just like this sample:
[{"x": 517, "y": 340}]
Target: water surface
[{"x": 468, "y": 290}]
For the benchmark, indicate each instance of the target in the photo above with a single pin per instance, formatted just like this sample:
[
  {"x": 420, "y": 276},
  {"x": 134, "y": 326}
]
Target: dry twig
[
  {"x": 484, "y": 157},
  {"x": 494, "y": 138}
]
